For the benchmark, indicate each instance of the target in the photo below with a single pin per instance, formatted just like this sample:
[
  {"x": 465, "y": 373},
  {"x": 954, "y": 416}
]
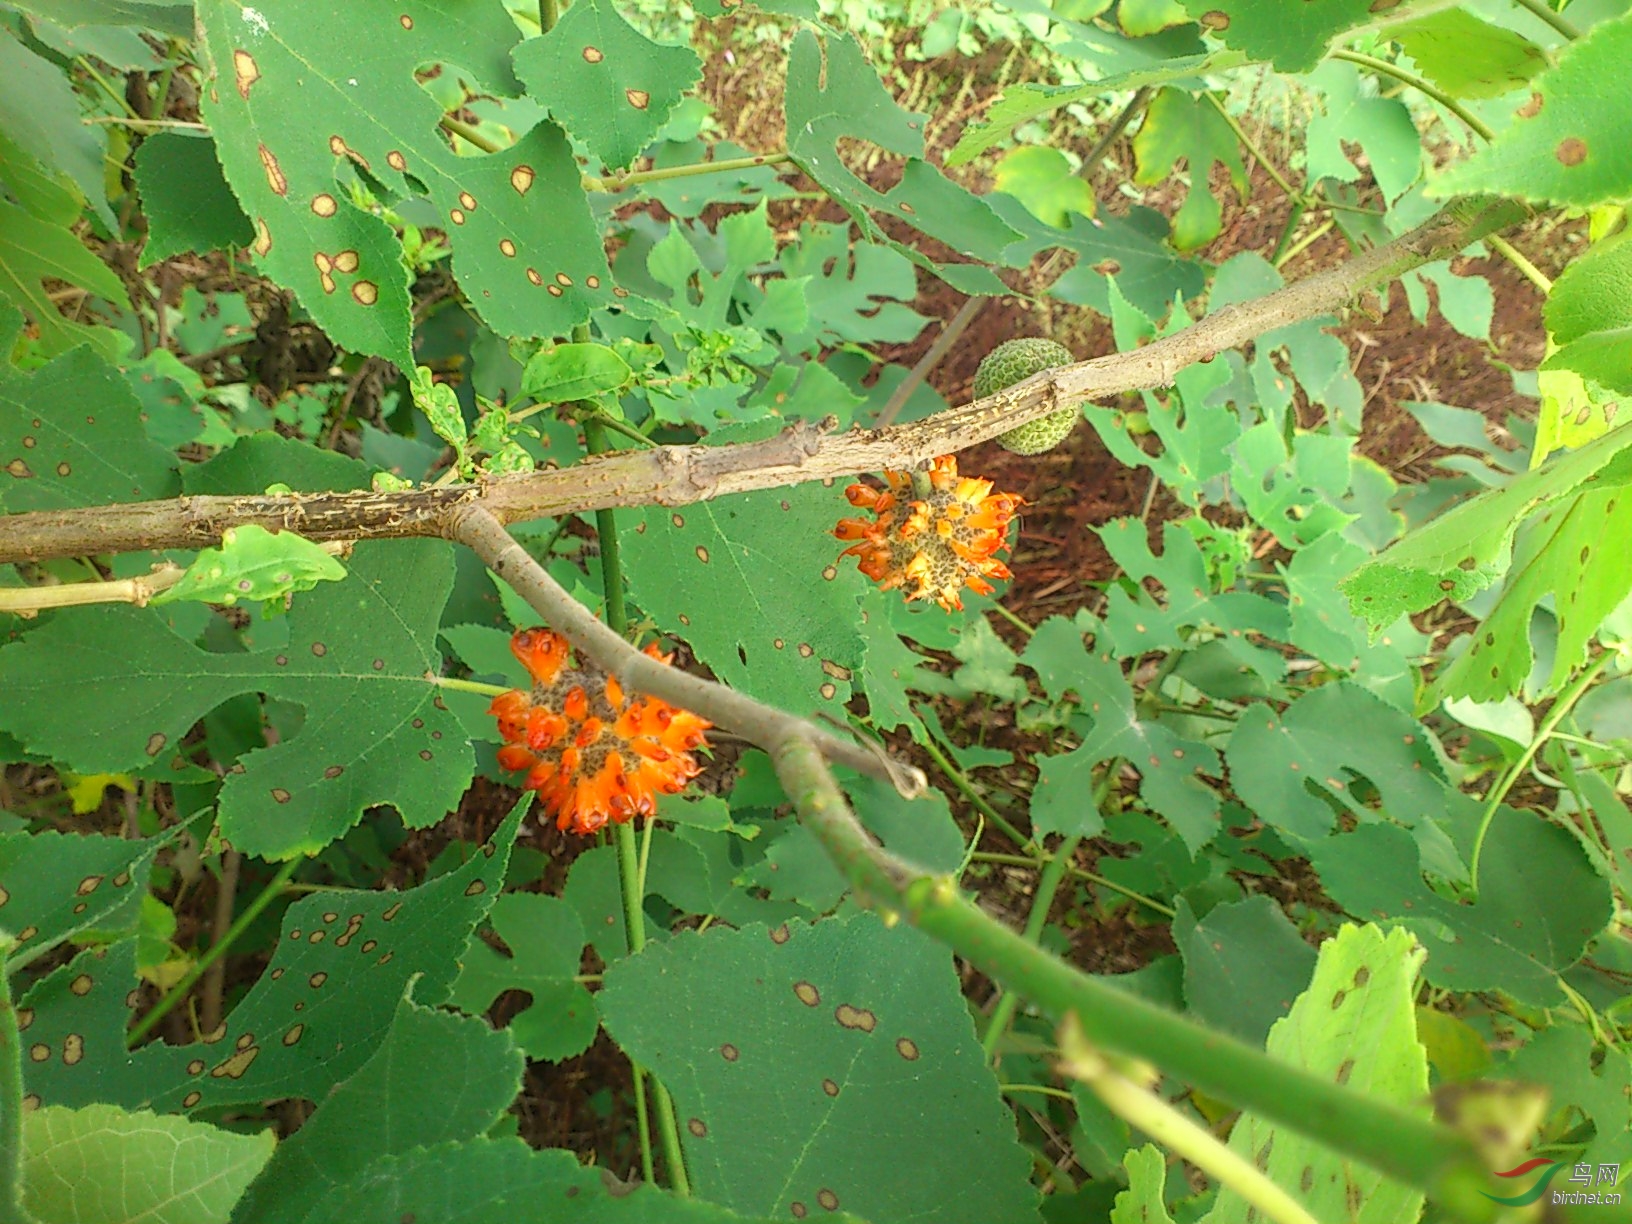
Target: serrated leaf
[
  {"x": 391, "y": 1106},
  {"x": 1132, "y": 248},
  {"x": 296, "y": 114},
  {"x": 846, "y": 1056},
  {"x": 1286, "y": 766},
  {"x": 254, "y": 463},
  {"x": 605, "y": 81},
  {"x": 1467, "y": 549},
  {"x": 1570, "y": 553},
  {"x": 1020, "y": 103},
  {"x": 187, "y": 202},
  {"x": 71, "y": 434},
  {"x": 1589, "y": 318},
  {"x": 357, "y": 657},
  {"x": 1181, "y": 126},
  {"x": 1596, "y": 1080},
  {"x": 1244, "y": 964},
  {"x": 77, "y": 1020},
  {"x": 1503, "y": 941},
  {"x": 753, "y": 582},
  {"x": 254, "y": 563},
  {"x": 1571, "y": 142},
  {"x": 565, "y": 372},
  {"x": 1293, "y": 37},
  {"x": 101, "y": 1165},
  {"x": 546, "y": 942},
  {"x": 1142, "y": 1202},
  {"x": 1356, "y": 1025},
  {"x": 482, "y": 1180},
  {"x": 1466, "y": 56},
  {"x": 56, "y": 884}
]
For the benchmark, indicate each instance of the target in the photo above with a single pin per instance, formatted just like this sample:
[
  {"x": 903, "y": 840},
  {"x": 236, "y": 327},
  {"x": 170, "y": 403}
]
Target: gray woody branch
[{"x": 678, "y": 475}]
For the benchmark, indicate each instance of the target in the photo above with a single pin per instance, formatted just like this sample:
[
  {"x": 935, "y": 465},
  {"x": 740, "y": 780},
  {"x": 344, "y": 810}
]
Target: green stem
[
  {"x": 606, "y": 531},
  {"x": 216, "y": 951},
  {"x": 468, "y": 686},
  {"x": 549, "y": 12},
  {"x": 1476, "y": 124},
  {"x": 119, "y": 99},
  {"x": 967, "y": 789},
  {"x": 1519, "y": 260},
  {"x": 1292, "y": 219},
  {"x": 1304, "y": 243},
  {"x": 1048, "y": 885},
  {"x": 1296, "y": 196},
  {"x": 1493, "y": 801},
  {"x": 11, "y": 1098},
  {"x": 1013, "y": 619},
  {"x": 633, "y": 178},
  {"x": 1545, "y": 11},
  {"x": 1404, "y": 1145}
]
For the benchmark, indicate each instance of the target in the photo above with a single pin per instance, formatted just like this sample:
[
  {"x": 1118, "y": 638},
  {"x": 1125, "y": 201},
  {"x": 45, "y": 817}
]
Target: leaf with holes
[
  {"x": 1382, "y": 127},
  {"x": 1181, "y": 126},
  {"x": 1244, "y": 964},
  {"x": 390, "y": 1106},
  {"x": 187, "y": 202},
  {"x": 102, "y": 1165},
  {"x": 357, "y": 656},
  {"x": 327, "y": 1002},
  {"x": 605, "y": 81},
  {"x": 300, "y": 121},
  {"x": 1293, "y": 37},
  {"x": 1464, "y": 551},
  {"x": 754, "y": 583},
  {"x": 1290, "y": 768},
  {"x": 546, "y": 942},
  {"x": 1571, "y": 140},
  {"x": 1504, "y": 941},
  {"x": 846, "y": 1056},
  {"x": 1582, "y": 1075},
  {"x": 55, "y": 884},
  {"x": 1569, "y": 554},
  {"x": 1356, "y": 1024},
  {"x": 1142, "y": 1202}
]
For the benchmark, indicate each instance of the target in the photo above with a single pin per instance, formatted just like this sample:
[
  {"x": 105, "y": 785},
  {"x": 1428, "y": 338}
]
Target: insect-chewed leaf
[
  {"x": 357, "y": 657},
  {"x": 605, "y": 81},
  {"x": 297, "y": 114},
  {"x": 1293, "y": 37},
  {"x": 254, "y": 563},
  {"x": 188, "y": 204},
  {"x": 846, "y": 1056}
]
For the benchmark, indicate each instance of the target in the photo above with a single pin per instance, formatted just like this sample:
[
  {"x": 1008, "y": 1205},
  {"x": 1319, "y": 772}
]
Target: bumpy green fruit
[{"x": 1013, "y": 361}]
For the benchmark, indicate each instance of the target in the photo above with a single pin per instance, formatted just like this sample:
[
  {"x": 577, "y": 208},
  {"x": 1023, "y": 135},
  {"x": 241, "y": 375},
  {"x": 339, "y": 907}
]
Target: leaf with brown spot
[
  {"x": 43, "y": 873},
  {"x": 605, "y": 81}
]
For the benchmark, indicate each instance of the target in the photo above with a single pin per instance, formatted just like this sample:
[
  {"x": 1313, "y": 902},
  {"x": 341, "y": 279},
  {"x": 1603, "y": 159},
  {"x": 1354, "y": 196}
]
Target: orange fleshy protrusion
[
  {"x": 932, "y": 537},
  {"x": 594, "y": 755}
]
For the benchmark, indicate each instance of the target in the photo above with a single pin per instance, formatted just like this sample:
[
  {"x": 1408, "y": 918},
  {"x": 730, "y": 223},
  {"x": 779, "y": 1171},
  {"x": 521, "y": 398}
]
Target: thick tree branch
[
  {"x": 761, "y": 724},
  {"x": 678, "y": 475}
]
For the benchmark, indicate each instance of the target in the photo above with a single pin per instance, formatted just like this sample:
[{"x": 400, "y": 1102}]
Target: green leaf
[
  {"x": 1466, "y": 56},
  {"x": 389, "y": 1106},
  {"x": 1132, "y": 248},
  {"x": 254, "y": 563},
  {"x": 847, "y": 1055},
  {"x": 1181, "y": 126},
  {"x": 1244, "y": 964},
  {"x": 42, "y": 117},
  {"x": 483, "y": 1180},
  {"x": 71, "y": 434},
  {"x": 1356, "y": 1025},
  {"x": 546, "y": 942},
  {"x": 33, "y": 251},
  {"x": 78, "y": 1017},
  {"x": 1581, "y": 1076},
  {"x": 172, "y": 17},
  {"x": 1042, "y": 179},
  {"x": 753, "y": 582},
  {"x": 102, "y": 1165},
  {"x": 605, "y": 81},
  {"x": 1567, "y": 553},
  {"x": 1021, "y": 103},
  {"x": 254, "y": 463},
  {"x": 1382, "y": 127},
  {"x": 296, "y": 115},
  {"x": 1504, "y": 941},
  {"x": 1293, "y": 37},
  {"x": 1142, "y": 1202},
  {"x": 187, "y": 202},
  {"x": 1572, "y": 140},
  {"x": 1589, "y": 316},
  {"x": 1289, "y": 767},
  {"x": 1467, "y": 549},
  {"x": 357, "y": 656},
  {"x": 56, "y": 885},
  {"x": 47, "y": 194},
  {"x": 566, "y": 372}
]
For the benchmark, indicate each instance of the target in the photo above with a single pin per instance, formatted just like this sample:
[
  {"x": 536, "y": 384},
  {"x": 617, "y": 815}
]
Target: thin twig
[
  {"x": 226, "y": 895},
  {"x": 954, "y": 328},
  {"x": 1421, "y": 85},
  {"x": 1547, "y": 13}
]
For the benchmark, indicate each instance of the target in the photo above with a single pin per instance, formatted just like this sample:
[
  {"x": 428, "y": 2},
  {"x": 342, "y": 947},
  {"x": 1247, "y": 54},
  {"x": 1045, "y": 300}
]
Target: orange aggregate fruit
[
  {"x": 593, "y": 754},
  {"x": 934, "y": 533}
]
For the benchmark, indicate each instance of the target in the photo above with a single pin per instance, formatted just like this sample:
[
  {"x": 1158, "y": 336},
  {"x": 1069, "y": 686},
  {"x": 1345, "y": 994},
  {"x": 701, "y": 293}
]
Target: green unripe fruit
[{"x": 1012, "y": 362}]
